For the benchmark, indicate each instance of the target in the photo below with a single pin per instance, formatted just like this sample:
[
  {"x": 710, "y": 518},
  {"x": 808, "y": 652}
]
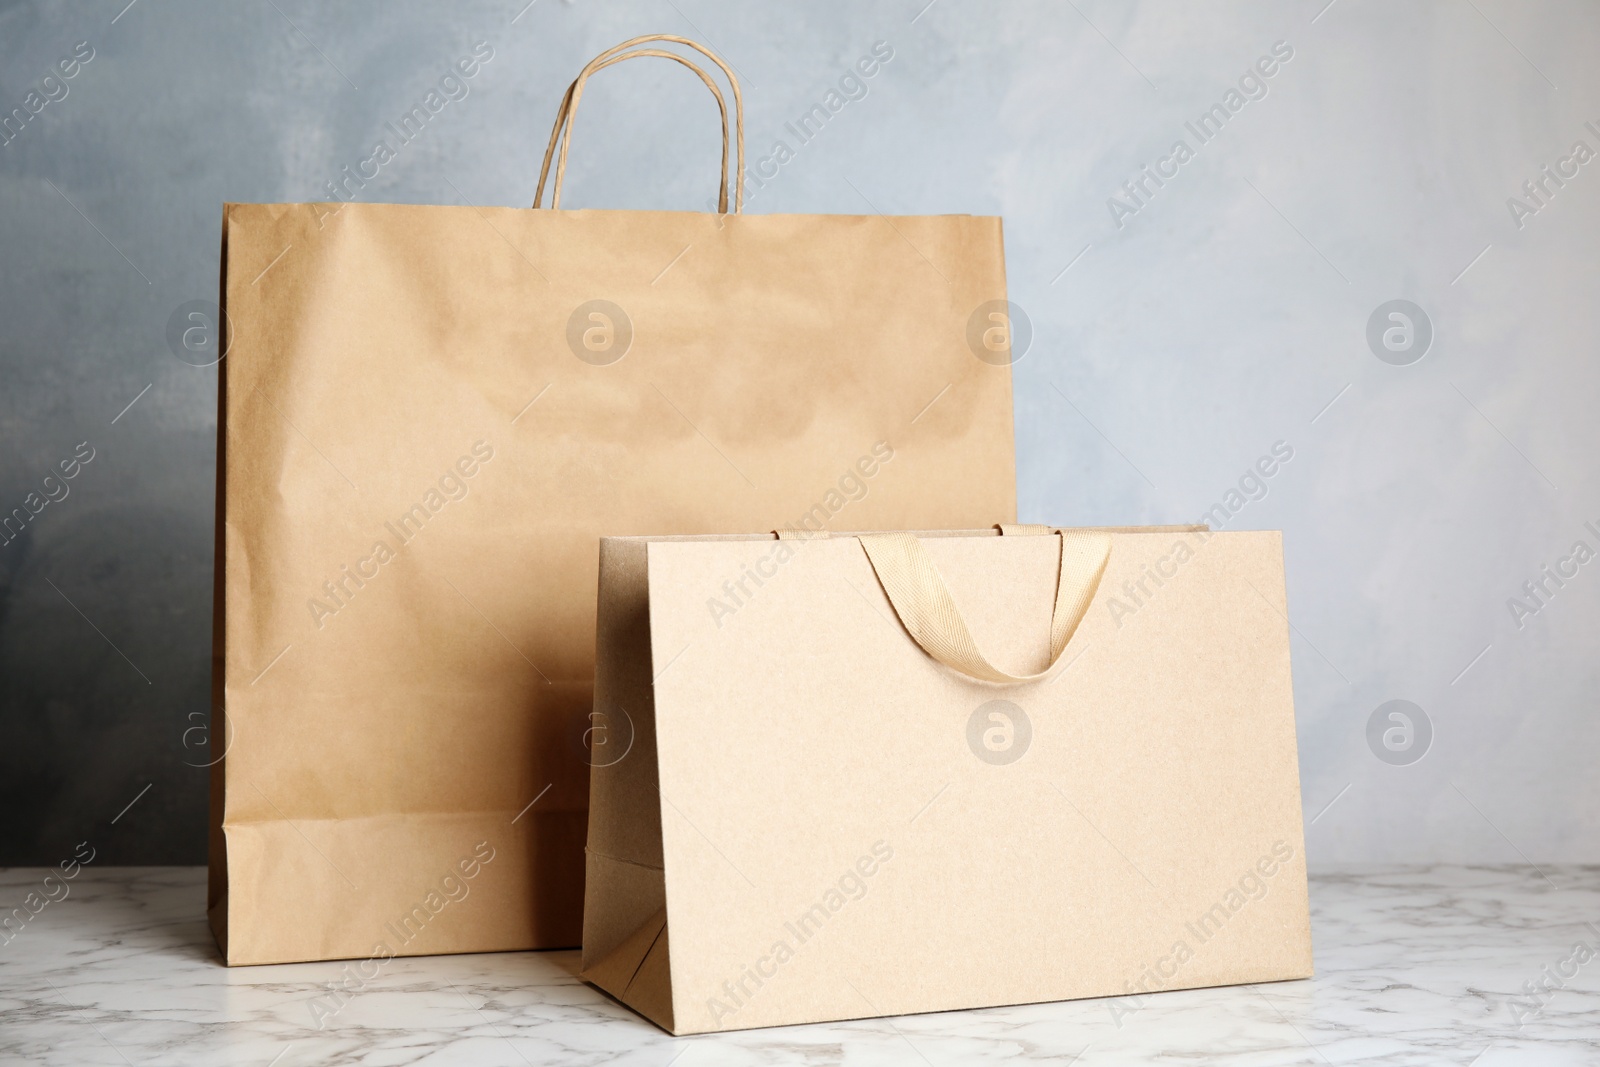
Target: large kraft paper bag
[
  {"x": 899, "y": 773},
  {"x": 429, "y": 416}
]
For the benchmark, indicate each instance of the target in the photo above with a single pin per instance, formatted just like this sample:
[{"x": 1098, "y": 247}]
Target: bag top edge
[
  {"x": 371, "y": 204},
  {"x": 986, "y": 532}
]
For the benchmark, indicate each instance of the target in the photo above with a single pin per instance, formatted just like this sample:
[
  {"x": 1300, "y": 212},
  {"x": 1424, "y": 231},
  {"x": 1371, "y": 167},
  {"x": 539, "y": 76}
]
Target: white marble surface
[{"x": 1415, "y": 965}]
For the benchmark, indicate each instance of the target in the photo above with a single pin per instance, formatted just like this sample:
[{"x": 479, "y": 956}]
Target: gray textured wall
[{"x": 1175, "y": 339}]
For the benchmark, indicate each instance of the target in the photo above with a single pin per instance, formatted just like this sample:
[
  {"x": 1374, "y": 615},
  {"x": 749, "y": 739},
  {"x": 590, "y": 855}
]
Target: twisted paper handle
[{"x": 562, "y": 130}]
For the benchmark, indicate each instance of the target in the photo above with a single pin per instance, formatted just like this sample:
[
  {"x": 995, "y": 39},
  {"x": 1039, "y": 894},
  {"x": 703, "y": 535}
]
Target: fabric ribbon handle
[
  {"x": 929, "y": 613},
  {"x": 565, "y": 115}
]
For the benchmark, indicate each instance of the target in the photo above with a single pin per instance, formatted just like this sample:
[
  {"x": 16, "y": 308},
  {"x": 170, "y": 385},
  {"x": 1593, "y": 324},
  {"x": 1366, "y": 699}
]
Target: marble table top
[{"x": 1415, "y": 965}]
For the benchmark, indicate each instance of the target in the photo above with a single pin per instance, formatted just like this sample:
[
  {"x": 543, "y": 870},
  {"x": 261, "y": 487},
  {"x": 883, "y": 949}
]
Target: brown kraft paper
[
  {"x": 826, "y": 812},
  {"x": 427, "y": 418}
]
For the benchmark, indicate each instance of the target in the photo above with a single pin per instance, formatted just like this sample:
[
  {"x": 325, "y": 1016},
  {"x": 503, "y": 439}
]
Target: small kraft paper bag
[
  {"x": 892, "y": 773},
  {"x": 430, "y": 415}
]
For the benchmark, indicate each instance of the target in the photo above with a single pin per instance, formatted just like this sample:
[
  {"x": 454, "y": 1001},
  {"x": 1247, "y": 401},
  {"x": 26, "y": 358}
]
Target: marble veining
[{"x": 1415, "y": 965}]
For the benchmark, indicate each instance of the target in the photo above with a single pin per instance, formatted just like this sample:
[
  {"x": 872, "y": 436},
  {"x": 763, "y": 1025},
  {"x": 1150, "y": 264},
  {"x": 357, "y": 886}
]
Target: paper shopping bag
[
  {"x": 890, "y": 773},
  {"x": 428, "y": 417}
]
